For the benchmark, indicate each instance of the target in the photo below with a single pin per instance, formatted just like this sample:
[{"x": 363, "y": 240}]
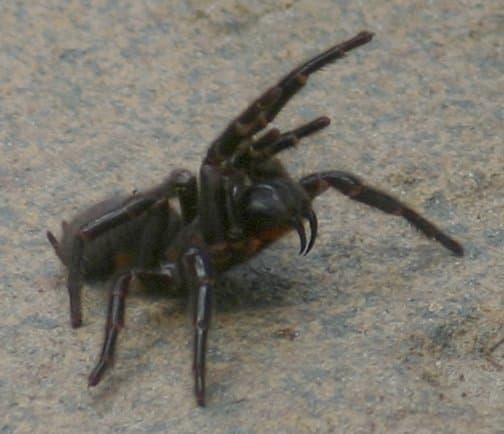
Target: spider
[{"x": 244, "y": 201}]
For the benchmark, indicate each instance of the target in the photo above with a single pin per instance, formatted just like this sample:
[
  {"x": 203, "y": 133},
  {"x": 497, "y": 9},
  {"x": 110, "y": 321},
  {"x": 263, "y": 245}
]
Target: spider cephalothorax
[{"x": 244, "y": 201}]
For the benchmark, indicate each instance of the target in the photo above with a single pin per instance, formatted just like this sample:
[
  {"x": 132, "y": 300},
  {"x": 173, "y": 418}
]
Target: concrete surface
[{"x": 377, "y": 330}]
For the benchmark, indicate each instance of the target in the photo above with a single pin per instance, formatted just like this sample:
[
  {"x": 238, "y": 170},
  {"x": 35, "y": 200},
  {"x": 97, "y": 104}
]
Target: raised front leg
[
  {"x": 272, "y": 142},
  {"x": 265, "y": 108},
  {"x": 355, "y": 189},
  {"x": 198, "y": 275}
]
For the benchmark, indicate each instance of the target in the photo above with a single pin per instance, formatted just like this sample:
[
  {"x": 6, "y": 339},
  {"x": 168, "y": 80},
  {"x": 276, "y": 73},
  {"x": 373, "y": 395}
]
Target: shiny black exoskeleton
[{"x": 244, "y": 201}]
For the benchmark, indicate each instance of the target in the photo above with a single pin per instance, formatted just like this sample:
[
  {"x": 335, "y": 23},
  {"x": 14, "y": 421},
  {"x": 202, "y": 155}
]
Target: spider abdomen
[{"x": 121, "y": 248}]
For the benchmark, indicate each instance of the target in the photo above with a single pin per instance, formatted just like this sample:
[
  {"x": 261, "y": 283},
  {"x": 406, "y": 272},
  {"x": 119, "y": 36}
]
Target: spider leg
[
  {"x": 160, "y": 228},
  {"x": 355, "y": 189},
  {"x": 115, "y": 313},
  {"x": 115, "y": 322},
  {"x": 136, "y": 206},
  {"x": 198, "y": 274},
  {"x": 272, "y": 142},
  {"x": 265, "y": 108},
  {"x": 56, "y": 246},
  {"x": 187, "y": 190},
  {"x": 210, "y": 208}
]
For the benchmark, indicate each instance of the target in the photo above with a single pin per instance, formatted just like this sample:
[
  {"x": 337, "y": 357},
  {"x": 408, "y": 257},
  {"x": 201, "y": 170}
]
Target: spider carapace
[{"x": 243, "y": 201}]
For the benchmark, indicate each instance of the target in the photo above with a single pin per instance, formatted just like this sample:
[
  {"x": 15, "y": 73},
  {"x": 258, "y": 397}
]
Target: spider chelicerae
[{"x": 244, "y": 201}]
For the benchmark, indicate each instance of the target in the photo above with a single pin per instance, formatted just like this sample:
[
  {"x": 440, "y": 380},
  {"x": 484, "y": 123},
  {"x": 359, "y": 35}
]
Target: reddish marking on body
[
  {"x": 229, "y": 253},
  {"x": 255, "y": 244},
  {"x": 122, "y": 260},
  {"x": 273, "y": 234}
]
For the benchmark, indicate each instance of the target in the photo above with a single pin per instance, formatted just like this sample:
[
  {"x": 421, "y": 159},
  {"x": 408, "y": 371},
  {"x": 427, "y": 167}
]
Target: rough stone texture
[{"x": 377, "y": 330}]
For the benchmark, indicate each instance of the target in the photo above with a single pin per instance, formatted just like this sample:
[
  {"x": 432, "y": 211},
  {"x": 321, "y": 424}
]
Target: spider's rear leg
[
  {"x": 116, "y": 308},
  {"x": 90, "y": 231},
  {"x": 115, "y": 322},
  {"x": 264, "y": 109},
  {"x": 354, "y": 188}
]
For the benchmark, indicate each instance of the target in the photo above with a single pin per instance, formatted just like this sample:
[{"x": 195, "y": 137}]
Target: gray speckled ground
[{"x": 390, "y": 332}]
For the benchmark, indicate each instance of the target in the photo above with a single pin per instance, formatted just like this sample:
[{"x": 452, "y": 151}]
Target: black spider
[{"x": 245, "y": 200}]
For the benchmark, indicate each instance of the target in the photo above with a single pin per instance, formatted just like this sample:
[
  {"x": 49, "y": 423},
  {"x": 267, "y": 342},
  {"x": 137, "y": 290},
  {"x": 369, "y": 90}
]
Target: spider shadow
[
  {"x": 252, "y": 288},
  {"x": 247, "y": 287}
]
